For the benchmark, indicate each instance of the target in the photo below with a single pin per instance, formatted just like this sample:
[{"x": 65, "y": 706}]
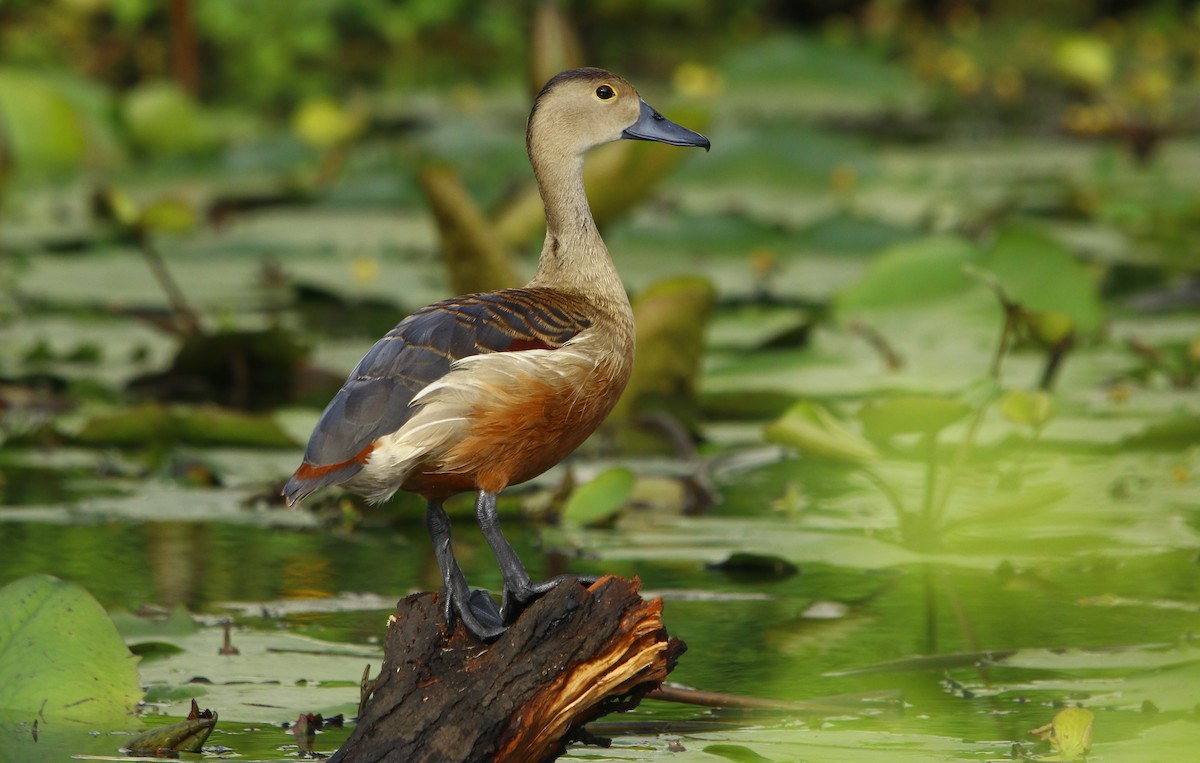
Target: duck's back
[{"x": 469, "y": 377}]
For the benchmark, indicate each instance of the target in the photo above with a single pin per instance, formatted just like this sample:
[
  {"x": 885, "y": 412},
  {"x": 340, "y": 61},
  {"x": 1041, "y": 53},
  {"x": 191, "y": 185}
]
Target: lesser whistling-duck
[{"x": 488, "y": 390}]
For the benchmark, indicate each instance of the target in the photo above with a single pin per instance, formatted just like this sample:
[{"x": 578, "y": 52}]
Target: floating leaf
[
  {"x": 855, "y": 78},
  {"x": 1033, "y": 409},
  {"x": 816, "y": 432},
  {"x": 600, "y": 499},
  {"x": 910, "y": 274},
  {"x": 1040, "y": 274},
  {"x": 161, "y": 694},
  {"x": 910, "y": 414},
  {"x": 736, "y": 753},
  {"x": 205, "y": 425},
  {"x": 1169, "y": 434},
  {"x": 54, "y": 123},
  {"x": 60, "y": 655},
  {"x": 134, "y": 628},
  {"x": 851, "y": 232},
  {"x": 261, "y": 683}
]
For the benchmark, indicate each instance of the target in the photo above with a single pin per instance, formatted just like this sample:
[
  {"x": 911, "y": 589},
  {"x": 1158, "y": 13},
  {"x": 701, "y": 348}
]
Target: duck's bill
[{"x": 654, "y": 126}]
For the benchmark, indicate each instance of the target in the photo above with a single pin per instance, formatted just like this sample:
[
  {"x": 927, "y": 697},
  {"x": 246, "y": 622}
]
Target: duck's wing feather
[{"x": 377, "y": 398}]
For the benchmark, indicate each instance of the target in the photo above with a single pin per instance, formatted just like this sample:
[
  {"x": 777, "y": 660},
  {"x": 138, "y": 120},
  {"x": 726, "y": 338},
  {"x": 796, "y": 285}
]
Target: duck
[{"x": 479, "y": 392}]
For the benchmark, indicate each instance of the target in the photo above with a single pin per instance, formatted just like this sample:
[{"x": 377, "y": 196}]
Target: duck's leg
[
  {"x": 478, "y": 610},
  {"x": 518, "y": 588}
]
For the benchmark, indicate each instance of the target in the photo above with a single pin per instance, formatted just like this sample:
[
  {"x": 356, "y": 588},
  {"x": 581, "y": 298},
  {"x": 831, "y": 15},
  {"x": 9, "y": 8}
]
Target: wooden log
[{"x": 572, "y": 656}]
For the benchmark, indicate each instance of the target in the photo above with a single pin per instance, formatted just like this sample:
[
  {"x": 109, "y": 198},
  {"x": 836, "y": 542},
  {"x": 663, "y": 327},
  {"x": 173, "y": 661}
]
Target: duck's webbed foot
[
  {"x": 519, "y": 590},
  {"x": 477, "y": 609},
  {"x": 488, "y": 622}
]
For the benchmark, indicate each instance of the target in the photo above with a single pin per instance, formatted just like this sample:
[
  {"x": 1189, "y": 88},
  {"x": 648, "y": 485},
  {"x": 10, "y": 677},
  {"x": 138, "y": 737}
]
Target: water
[{"x": 984, "y": 639}]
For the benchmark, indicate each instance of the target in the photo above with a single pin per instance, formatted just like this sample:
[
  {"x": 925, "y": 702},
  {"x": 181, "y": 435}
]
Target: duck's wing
[{"x": 377, "y": 398}]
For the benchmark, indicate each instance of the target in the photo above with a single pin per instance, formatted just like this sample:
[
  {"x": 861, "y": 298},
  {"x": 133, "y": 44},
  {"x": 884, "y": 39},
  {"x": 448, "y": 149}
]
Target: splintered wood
[{"x": 572, "y": 656}]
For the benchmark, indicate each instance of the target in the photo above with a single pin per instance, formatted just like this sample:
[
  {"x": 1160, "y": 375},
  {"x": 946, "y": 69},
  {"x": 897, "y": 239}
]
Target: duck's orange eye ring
[{"x": 606, "y": 93}]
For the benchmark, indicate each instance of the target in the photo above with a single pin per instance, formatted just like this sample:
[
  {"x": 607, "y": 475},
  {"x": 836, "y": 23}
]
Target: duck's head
[{"x": 582, "y": 108}]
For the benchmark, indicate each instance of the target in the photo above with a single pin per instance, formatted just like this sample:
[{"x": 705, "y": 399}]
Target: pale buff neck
[{"x": 574, "y": 257}]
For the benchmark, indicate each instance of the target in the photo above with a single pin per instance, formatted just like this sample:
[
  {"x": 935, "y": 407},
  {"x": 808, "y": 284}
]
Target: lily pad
[
  {"x": 910, "y": 274},
  {"x": 910, "y": 414},
  {"x": 736, "y": 752},
  {"x": 135, "y": 628},
  {"x": 60, "y": 655},
  {"x": 854, "y": 233},
  {"x": 600, "y": 499},
  {"x": 205, "y": 425},
  {"x": 1168, "y": 434},
  {"x": 272, "y": 675},
  {"x": 54, "y": 123},
  {"x": 1041, "y": 274},
  {"x": 810, "y": 75}
]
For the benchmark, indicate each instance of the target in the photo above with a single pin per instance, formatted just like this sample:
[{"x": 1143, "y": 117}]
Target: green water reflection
[{"x": 805, "y": 636}]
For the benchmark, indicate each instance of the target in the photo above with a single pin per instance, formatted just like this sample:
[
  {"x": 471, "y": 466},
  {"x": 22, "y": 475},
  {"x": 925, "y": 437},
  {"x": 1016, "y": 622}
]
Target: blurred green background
[{"x": 914, "y": 434}]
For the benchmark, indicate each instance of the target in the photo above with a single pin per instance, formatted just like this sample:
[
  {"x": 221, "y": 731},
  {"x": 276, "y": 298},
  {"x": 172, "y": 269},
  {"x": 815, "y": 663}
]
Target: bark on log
[{"x": 573, "y": 655}]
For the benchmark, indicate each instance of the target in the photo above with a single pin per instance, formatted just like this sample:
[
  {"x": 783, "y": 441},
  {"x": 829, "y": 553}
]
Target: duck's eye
[{"x": 605, "y": 93}]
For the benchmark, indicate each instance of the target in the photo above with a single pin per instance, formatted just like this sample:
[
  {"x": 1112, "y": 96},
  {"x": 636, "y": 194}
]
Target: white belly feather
[{"x": 446, "y": 405}]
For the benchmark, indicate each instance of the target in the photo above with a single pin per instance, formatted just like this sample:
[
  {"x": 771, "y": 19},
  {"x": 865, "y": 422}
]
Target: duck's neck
[{"x": 574, "y": 256}]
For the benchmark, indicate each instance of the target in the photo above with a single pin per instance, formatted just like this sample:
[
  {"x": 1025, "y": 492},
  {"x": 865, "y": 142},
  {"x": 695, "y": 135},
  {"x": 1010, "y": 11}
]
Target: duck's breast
[{"x": 509, "y": 417}]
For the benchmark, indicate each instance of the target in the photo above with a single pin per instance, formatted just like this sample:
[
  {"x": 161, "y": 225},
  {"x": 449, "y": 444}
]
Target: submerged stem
[
  {"x": 931, "y": 639},
  {"x": 185, "y": 317},
  {"x": 893, "y": 498},
  {"x": 928, "y": 516},
  {"x": 1011, "y": 314}
]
